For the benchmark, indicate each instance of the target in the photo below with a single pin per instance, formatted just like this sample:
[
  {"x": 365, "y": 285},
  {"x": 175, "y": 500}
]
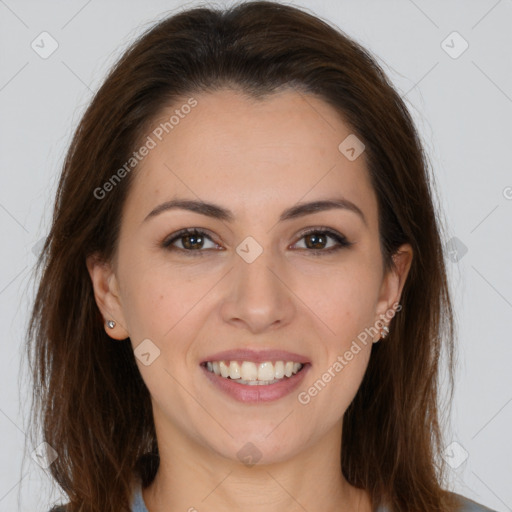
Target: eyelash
[{"x": 342, "y": 242}]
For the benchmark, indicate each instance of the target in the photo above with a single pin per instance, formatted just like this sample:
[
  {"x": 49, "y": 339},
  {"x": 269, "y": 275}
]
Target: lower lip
[{"x": 255, "y": 394}]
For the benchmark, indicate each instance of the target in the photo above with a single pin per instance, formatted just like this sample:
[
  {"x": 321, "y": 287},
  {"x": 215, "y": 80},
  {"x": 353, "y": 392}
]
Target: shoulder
[
  {"x": 466, "y": 505},
  {"x": 470, "y": 505},
  {"x": 137, "y": 504}
]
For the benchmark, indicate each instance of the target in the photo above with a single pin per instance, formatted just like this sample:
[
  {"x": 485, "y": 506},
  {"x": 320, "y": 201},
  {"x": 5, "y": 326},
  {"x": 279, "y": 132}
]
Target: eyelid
[
  {"x": 341, "y": 240},
  {"x": 168, "y": 240},
  {"x": 320, "y": 229}
]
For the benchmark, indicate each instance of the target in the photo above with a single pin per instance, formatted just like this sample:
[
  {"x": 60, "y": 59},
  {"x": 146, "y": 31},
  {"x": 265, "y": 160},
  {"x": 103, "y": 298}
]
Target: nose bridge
[
  {"x": 257, "y": 296},
  {"x": 256, "y": 276}
]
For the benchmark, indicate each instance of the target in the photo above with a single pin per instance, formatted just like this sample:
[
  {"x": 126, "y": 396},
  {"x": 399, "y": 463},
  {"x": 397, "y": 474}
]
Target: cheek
[
  {"x": 153, "y": 299},
  {"x": 331, "y": 389},
  {"x": 343, "y": 298}
]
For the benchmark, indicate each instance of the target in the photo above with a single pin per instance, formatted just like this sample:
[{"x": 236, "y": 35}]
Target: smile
[
  {"x": 255, "y": 382},
  {"x": 254, "y": 374}
]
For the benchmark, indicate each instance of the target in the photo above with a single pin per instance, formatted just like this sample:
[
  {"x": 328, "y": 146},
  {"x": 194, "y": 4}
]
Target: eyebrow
[{"x": 294, "y": 212}]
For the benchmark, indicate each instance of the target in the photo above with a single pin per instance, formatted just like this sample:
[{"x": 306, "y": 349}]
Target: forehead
[{"x": 249, "y": 154}]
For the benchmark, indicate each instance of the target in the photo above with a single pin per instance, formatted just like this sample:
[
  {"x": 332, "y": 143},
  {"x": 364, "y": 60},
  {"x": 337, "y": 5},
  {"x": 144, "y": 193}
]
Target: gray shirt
[{"x": 468, "y": 505}]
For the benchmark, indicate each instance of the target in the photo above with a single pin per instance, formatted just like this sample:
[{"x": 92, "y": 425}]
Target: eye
[
  {"x": 316, "y": 240},
  {"x": 192, "y": 241}
]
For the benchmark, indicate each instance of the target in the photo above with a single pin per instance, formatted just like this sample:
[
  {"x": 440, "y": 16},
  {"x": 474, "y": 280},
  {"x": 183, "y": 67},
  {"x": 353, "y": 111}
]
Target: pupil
[
  {"x": 194, "y": 239},
  {"x": 317, "y": 240},
  {"x": 316, "y": 237}
]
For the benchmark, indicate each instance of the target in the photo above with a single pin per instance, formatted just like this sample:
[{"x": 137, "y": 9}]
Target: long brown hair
[{"x": 89, "y": 398}]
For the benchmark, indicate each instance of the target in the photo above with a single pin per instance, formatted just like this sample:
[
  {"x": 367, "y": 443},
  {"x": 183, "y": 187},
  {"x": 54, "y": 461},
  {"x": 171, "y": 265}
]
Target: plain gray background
[{"x": 461, "y": 102}]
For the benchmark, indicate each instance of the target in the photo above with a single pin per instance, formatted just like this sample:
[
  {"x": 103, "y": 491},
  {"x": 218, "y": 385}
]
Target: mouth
[{"x": 251, "y": 373}]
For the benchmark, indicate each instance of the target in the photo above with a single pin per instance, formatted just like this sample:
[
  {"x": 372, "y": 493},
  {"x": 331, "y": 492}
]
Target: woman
[{"x": 244, "y": 298}]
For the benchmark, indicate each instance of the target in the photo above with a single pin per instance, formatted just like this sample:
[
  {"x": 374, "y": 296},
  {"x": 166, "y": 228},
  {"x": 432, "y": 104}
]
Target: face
[{"x": 259, "y": 275}]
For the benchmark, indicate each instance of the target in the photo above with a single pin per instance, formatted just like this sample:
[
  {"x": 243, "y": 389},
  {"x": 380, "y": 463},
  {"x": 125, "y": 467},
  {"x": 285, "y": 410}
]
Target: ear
[
  {"x": 393, "y": 284},
  {"x": 106, "y": 294}
]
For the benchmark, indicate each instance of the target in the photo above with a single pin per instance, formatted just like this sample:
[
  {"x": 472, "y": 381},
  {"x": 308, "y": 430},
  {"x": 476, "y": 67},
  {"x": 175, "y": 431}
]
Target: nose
[{"x": 258, "y": 297}]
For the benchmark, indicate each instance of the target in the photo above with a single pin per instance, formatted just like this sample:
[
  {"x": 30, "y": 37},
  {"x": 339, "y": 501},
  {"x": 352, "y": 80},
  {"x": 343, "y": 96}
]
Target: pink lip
[
  {"x": 257, "y": 394},
  {"x": 256, "y": 356}
]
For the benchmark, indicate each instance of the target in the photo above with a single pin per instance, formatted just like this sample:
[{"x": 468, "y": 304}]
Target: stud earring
[
  {"x": 384, "y": 332},
  {"x": 111, "y": 324}
]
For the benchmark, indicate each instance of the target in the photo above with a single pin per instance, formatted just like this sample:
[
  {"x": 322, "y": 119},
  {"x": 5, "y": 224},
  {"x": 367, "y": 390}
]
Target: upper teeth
[{"x": 250, "y": 371}]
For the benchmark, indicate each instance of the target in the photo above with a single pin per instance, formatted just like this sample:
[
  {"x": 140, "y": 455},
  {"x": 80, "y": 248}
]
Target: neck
[{"x": 192, "y": 477}]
